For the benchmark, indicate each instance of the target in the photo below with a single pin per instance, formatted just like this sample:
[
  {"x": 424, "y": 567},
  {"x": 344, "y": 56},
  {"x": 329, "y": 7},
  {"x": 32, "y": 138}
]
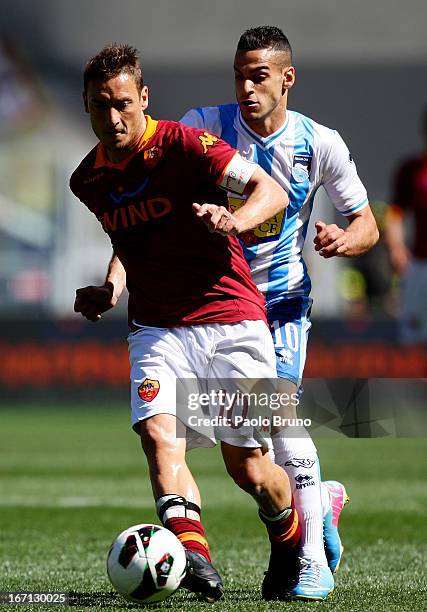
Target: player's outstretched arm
[
  {"x": 93, "y": 301},
  {"x": 265, "y": 198},
  {"x": 395, "y": 239},
  {"x": 360, "y": 236}
]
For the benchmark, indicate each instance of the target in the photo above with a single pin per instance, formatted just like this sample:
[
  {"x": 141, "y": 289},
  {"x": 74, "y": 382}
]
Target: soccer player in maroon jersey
[
  {"x": 410, "y": 200},
  {"x": 194, "y": 311}
]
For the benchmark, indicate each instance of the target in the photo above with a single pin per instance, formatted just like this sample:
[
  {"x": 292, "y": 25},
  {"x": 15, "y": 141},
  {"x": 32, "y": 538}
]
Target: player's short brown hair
[
  {"x": 111, "y": 61},
  {"x": 265, "y": 37}
]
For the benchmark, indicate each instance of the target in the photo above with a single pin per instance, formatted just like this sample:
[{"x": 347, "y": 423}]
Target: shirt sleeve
[
  {"x": 340, "y": 178},
  {"x": 193, "y": 118},
  {"x": 215, "y": 159},
  {"x": 206, "y": 117}
]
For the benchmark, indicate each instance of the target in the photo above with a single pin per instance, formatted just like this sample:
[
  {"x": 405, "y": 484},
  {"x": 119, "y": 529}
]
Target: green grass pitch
[{"x": 71, "y": 479}]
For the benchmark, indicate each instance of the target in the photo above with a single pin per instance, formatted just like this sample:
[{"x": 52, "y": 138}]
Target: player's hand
[
  {"x": 331, "y": 240},
  {"x": 93, "y": 301},
  {"x": 217, "y": 218}
]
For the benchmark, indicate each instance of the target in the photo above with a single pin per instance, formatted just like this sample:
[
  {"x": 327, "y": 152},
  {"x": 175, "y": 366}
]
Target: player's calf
[
  {"x": 284, "y": 533},
  {"x": 254, "y": 472}
]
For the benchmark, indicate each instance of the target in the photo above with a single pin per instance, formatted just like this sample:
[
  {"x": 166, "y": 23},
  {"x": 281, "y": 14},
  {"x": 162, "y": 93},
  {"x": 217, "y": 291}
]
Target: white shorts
[
  {"x": 171, "y": 362},
  {"x": 413, "y": 318}
]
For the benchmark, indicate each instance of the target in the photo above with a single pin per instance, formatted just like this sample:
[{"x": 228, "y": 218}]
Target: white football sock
[{"x": 297, "y": 455}]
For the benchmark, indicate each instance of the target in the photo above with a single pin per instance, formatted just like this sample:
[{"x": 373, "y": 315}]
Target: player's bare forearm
[
  {"x": 116, "y": 275},
  {"x": 363, "y": 234},
  {"x": 360, "y": 236},
  {"x": 265, "y": 198},
  {"x": 93, "y": 301}
]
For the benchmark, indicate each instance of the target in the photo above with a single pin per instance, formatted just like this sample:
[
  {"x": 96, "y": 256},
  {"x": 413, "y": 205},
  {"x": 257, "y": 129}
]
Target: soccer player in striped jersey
[{"x": 301, "y": 155}]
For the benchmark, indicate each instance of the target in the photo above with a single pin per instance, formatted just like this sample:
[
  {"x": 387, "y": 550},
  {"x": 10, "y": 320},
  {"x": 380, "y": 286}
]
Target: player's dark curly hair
[
  {"x": 111, "y": 61},
  {"x": 265, "y": 37}
]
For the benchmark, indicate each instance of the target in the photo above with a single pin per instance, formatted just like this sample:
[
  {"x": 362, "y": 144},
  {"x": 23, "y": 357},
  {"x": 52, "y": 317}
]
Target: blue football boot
[{"x": 315, "y": 582}]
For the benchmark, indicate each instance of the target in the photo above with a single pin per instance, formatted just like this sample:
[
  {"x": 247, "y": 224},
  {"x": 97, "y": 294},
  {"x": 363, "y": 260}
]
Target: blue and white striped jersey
[{"x": 301, "y": 156}]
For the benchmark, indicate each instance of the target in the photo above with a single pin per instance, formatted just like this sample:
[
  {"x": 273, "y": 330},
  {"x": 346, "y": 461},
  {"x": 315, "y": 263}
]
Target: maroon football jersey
[
  {"x": 177, "y": 272},
  {"x": 410, "y": 194}
]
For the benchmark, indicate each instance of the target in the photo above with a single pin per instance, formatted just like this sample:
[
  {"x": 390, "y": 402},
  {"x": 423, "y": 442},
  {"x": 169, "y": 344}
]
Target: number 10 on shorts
[{"x": 288, "y": 333}]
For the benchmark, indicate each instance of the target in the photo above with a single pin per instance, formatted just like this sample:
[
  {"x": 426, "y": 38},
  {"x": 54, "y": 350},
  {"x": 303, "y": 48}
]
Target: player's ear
[
  {"x": 143, "y": 96},
  {"x": 84, "y": 94},
  {"x": 288, "y": 78}
]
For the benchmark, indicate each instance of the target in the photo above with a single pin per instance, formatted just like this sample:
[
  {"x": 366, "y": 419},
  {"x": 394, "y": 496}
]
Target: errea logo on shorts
[{"x": 148, "y": 389}]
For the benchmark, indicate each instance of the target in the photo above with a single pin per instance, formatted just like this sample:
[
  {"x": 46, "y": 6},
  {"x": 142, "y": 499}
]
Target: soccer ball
[{"x": 146, "y": 563}]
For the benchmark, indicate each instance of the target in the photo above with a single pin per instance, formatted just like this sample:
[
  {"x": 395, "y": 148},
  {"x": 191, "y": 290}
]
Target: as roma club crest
[
  {"x": 152, "y": 156},
  {"x": 148, "y": 389}
]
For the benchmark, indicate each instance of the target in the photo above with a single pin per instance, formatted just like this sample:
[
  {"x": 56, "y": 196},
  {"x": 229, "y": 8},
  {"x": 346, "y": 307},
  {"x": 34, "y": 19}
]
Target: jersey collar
[
  {"x": 268, "y": 140},
  {"x": 102, "y": 160}
]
